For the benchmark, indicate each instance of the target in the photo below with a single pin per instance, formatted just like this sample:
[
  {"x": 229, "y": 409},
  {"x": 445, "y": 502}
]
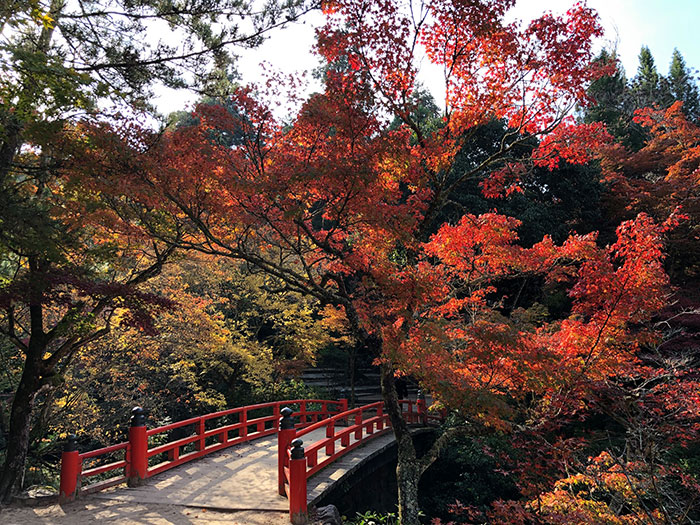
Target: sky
[
  {"x": 629, "y": 24},
  {"x": 659, "y": 24}
]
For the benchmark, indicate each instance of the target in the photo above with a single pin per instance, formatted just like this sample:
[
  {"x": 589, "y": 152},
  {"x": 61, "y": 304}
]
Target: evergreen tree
[
  {"x": 615, "y": 99},
  {"x": 683, "y": 87},
  {"x": 648, "y": 88},
  {"x": 609, "y": 96},
  {"x": 647, "y": 78}
]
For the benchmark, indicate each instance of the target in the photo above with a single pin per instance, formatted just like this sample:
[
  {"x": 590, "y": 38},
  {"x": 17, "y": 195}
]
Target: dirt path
[{"x": 91, "y": 510}]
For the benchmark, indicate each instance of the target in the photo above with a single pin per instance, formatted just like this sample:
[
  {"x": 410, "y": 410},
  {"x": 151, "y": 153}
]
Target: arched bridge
[{"x": 269, "y": 456}]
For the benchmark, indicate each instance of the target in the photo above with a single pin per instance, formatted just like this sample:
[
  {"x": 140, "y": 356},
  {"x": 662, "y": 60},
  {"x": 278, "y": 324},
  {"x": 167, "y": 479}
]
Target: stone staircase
[{"x": 335, "y": 380}]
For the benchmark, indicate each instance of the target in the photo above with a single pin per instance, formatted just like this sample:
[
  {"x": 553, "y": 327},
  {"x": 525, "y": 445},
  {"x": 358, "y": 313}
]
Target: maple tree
[
  {"x": 608, "y": 490},
  {"x": 639, "y": 428},
  {"x": 343, "y": 207},
  {"x": 662, "y": 179}
]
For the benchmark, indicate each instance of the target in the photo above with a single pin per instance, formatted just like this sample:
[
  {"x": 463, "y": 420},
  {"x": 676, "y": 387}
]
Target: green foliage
[
  {"x": 683, "y": 87},
  {"x": 284, "y": 389},
  {"x": 424, "y": 114},
  {"x": 227, "y": 344},
  {"x": 647, "y": 79},
  {"x": 616, "y": 99},
  {"x": 552, "y": 202},
  {"x": 612, "y": 105},
  {"x": 468, "y": 471},
  {"x": 373, "y": 518}
]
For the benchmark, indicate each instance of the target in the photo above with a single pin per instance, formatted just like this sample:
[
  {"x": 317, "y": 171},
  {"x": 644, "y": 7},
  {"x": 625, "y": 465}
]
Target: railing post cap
[
  {"x": 297, "y": 449},
  {"x": 420, "y": 396},
  {"x": 286, "y": 421},
  {"x": 71, "y": 444},
  {"x": 138, "y": 417}
]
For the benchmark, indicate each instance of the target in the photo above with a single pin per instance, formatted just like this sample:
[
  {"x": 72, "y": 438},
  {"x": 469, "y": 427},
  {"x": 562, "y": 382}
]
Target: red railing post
[
  {"x": 223, "y": 437},
  {"x": 285, "y": 436},
  {"x": 302, "y": 410},
  {"x": 330, "y": 432},
  {"x": 358, "y": 423},
  {"x": 343, "y": 404},
  {"x": 243, "y": 432},
  {"x": 71, "y": 466},
  {"x": 174, "y": 454},
  {"x": 138, "y": 441},
  {"x": 297, "y": 485},
  {"x": 422, "y": 409},
  {"x": 380, "y": 416},
  {"x": 200, "y": 444}
]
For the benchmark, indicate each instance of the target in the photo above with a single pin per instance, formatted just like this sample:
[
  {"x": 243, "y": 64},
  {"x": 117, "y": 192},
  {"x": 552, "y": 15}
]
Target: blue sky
[{"x": 661, "y": 25}]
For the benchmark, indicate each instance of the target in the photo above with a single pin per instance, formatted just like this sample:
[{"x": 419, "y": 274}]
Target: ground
[{"x": 92, "y": 510}]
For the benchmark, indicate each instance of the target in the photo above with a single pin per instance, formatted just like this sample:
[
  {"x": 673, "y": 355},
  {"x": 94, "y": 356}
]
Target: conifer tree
[
  {"x": 647, "y": 75},
  {"x": 648, "y": 88},
  {"x": 609, "y": 94},
  {"x": 683, "y": 87}
]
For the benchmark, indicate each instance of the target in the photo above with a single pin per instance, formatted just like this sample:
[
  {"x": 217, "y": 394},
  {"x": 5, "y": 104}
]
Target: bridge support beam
[
  {"x": 70, "y": 471},
  {"x": 298, "y": 513},
  {"x": 138, "y": 441}
]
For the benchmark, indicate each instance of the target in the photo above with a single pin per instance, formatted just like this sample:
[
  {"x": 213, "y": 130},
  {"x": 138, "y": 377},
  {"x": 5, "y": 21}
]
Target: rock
[{"x": 328, "y": 515}]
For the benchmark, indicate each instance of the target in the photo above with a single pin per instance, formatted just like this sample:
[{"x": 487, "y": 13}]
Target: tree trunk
[
  {"x": 407, "y": 470},
  {"x": 351, "y": 367},
  {"x": 407, "y": 476},
  {"x": 9, "y": 145},
  {"x": 20, "y": 425}
]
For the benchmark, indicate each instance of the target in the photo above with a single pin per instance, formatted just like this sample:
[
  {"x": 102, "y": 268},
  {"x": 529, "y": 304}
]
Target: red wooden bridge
[{"x": 273, "y": 435}]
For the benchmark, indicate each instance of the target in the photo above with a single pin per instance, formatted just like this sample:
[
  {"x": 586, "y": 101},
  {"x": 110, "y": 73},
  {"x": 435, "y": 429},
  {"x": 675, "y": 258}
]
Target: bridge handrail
[
  {"x": 374, "y": 426},
  {"x": 338, "y": 417},
  {"x": 238, "y": 410},
  {"x": 137, "y": 452},
  {"x": 115, "y": 465},
  {"x": 296, "y": 463},
  {"x": 422, "y": 414}
]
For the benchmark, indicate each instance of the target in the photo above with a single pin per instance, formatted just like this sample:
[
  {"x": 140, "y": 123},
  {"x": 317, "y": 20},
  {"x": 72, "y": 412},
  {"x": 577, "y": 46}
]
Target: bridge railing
[
  {"x": 417, "y": 413},
  {"x": 296, "y": 464},
  {"x": 200, "y": 436}
]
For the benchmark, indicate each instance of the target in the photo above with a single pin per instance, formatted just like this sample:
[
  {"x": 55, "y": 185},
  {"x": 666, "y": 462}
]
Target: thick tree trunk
[
  {"x": 407, "y": 470},
  {"x": 407, "y": 476},
  {"x": 20, "y": 425}
]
